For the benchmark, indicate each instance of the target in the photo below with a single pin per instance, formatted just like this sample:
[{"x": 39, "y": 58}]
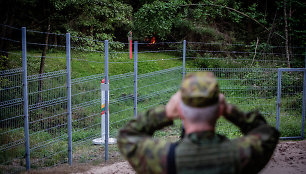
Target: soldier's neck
[{"x": 192, "y": 127}]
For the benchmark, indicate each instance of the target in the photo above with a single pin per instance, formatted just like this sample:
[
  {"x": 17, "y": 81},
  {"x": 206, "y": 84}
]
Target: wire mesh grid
[
  {"x": 12, "y": 148},
  {"x": 47, "y": 98},
  {"x": 249, "y": 89},
  {"x": 291, "y": 103},
  {"x": 48, "y": 118},
  {"x": 86, "y": 116},
  {"x": 87, "y": 67},
  {"x": 121, "y": 101},
  {"x": 157, "y": 87},
  {"x": 11, "y": 121}
]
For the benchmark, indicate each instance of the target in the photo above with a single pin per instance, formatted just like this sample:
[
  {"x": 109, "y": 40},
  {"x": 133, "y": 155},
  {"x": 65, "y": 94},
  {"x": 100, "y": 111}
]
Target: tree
[
  {"x": 195, "y": 19},
  {"x": 156, "y": 18},
  {"x": 94, "y": 19}
]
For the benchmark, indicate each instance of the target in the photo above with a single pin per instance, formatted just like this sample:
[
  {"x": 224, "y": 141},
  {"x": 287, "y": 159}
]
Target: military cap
[{"x": 200, "y": 89}]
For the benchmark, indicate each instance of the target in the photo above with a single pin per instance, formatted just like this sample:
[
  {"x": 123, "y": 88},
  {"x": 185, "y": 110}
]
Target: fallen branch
[{"x": 255, "y": 51}]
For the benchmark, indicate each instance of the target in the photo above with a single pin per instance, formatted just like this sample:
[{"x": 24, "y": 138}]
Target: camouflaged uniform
[{"x": 200, "y": 152}]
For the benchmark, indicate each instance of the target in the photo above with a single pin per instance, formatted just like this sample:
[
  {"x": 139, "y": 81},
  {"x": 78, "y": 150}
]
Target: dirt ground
[{"x": 288, "y": 158}]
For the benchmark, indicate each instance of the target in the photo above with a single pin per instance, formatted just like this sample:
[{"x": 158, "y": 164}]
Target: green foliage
[
  {"x": 156, "y": 18},
  {"x": 94, "y": 17},
  {"x": 3, "y": 62},
  {"x": 94, "y": 20},
  {"x": 83, "y": 134},
  {"x": 296, "y": 18},
  {"x": 14, "y": 135},
  {"x": 197, "y": 22}
]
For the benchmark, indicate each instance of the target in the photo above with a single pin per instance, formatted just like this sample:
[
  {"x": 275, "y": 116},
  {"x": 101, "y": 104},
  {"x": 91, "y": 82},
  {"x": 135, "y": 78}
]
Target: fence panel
[
  {"x": 156, "y": 87},
  {"x": 121, "y": 85},
  {"x": 121, "y": 101},
  {"x": 87, "y": 67},
  {"x": 48, "y": 118},
  {"x": 291, "y": 107},
  {"x": 249, "y": 89},
  {"x": 12, "y": 148},
  {"x": 47, "y": 98},
  {"x": 86, "y": 116}
]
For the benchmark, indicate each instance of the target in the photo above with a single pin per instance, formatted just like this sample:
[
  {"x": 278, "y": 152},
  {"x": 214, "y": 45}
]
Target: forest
[{"x": 261, "y": 22}]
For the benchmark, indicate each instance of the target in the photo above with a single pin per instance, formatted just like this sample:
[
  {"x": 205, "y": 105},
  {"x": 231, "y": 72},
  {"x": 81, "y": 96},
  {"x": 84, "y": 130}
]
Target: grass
[
  {"x": 248, "y": 90},
  {"x": 89, "y": 63}
]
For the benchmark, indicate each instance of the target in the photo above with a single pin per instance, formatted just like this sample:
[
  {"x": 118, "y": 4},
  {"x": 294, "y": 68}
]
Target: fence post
[
  {"x": 135, "y": 77},
  {"x": 184, "y": 57},
  {"x": 278, "y": 103},
  {"x": 25, "y": 97},
  {"x": 68, "y": 62},
  {"x": 304, "y": 100},
  {"x": 184, "y": 72},
  {"x": 106, "y": 100}
]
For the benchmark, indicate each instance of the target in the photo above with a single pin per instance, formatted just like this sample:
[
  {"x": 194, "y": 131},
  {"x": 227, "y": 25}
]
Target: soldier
[{"x": 199, "y": 104}]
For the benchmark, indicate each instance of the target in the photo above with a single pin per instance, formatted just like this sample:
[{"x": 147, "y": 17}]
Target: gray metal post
[
  {"x": 304, "y": 100},
  {"x": 25, "y": 97},
  {"x": 106, "y": 100},
  {"x": 184, "y": 57},
  {"x": 278, "y": 104},
  {"x": 184, "y": 72},
  {"x": 68, "y": 62},
  {"x": 135, "y": 77}
]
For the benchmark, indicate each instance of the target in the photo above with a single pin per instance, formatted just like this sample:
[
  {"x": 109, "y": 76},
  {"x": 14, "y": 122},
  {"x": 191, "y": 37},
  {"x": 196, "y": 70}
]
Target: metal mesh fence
[
  {"x": 48, "y": 118},
  {"x": 160, "y": 70},
  {"x": 121, "y": 86},
  {"x": 155, "y": 88},
  {"x": 11, "y": 121},
  {"x": 86, "y": 96},
  {"x": 86, "y": 116},
  {"x": 47, "y": 98},
  {"x": 121, "y": 101},
  {"x": 12, "y": 149},
  {"x": 249, "y": 89},
  {"x": 291, "y": 107}
]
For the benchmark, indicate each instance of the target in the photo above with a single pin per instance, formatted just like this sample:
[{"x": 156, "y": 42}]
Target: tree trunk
[
  {"x": 286, "y": 34},
  {"x": 289, "y": 31},
  {"x": 42, "y": 63}
]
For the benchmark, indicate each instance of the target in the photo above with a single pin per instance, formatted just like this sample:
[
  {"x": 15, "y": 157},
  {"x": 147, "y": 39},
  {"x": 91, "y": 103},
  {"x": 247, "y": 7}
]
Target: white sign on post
[{"x": 104, "y": 88}]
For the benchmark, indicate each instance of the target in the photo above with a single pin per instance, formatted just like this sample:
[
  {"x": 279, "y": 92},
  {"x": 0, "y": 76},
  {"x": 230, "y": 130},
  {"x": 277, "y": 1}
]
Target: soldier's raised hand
[{"x": 172, "y": 107}]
